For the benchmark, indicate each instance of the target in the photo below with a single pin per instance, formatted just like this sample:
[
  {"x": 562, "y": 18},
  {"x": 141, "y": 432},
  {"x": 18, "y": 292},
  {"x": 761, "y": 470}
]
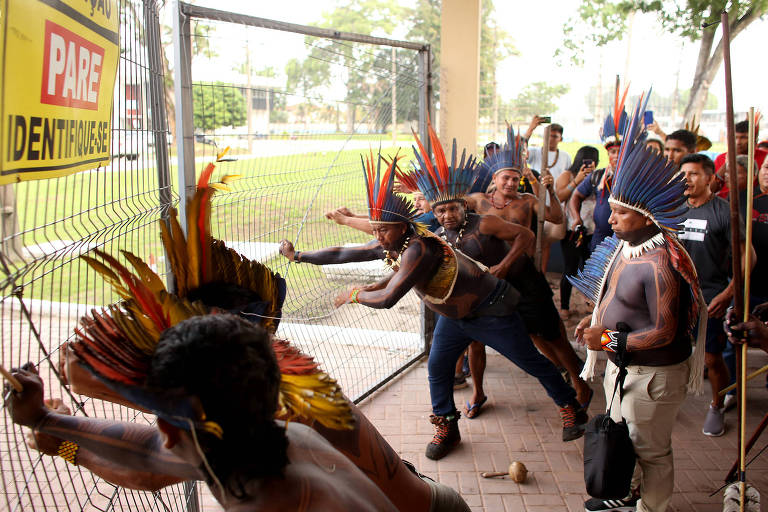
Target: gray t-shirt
[{"x": 707, "y": 238}]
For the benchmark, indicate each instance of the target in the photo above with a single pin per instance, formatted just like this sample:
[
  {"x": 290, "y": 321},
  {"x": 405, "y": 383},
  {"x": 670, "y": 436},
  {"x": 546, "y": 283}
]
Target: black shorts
[{"x": 540, "y": 317}]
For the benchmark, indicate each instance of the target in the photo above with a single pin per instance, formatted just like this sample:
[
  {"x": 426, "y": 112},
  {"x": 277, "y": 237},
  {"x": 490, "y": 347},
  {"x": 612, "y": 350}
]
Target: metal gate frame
[{"x": 185, "y": 140}]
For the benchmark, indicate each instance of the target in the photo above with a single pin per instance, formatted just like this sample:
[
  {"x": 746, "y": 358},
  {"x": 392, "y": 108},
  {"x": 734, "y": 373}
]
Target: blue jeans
[{"x": 505, "y": 334}]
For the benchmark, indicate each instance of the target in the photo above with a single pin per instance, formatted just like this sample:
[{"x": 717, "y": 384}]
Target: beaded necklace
[
  {"x": 391, "y": 262},
  {"x": 455, "y": 243},
  {"x": 493, "y": 203}
]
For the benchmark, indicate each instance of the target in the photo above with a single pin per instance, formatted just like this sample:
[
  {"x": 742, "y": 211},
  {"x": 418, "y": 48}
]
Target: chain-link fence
[{"x": 296, "y": 145}]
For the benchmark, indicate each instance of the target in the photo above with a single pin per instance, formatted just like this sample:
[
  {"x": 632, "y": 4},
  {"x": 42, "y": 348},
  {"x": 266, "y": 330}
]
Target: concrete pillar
[{"x": 460, "y": 73}]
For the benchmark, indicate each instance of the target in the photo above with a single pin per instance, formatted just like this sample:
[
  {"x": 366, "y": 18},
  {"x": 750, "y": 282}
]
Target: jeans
[{"x": 505, "y": 334}]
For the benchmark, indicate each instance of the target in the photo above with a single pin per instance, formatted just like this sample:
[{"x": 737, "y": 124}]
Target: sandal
[{"x": 473, "y": 410}]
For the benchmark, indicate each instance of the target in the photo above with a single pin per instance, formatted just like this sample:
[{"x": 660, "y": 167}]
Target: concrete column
[{"x": 460, "y": 73}]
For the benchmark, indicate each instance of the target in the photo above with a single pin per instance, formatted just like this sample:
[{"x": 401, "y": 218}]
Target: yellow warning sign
[{"x": 59, "y": 61}]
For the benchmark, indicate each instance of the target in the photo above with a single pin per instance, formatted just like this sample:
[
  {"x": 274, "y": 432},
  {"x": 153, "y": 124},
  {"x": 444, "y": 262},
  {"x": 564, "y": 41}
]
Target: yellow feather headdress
[{"x": 117, "y": 343}]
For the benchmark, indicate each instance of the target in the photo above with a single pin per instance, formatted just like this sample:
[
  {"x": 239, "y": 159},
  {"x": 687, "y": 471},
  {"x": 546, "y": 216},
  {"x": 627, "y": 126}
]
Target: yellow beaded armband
[
  {"x": 353, "y": 295},
  {"x": 68, "y": 451}
]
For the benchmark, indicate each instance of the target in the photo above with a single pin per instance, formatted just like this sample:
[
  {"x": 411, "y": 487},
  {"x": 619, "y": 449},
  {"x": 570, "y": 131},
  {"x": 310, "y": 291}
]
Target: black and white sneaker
[{"x": 596, "y": 505}]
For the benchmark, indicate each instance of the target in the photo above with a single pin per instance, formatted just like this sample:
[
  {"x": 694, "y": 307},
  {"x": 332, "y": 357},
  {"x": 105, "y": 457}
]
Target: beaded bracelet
[
  {"x": 609, "y": 340},
  {"x": 353, "y": 296},
  {"x": 67, "y": 450},
  {"x": 297, "y": 257}
]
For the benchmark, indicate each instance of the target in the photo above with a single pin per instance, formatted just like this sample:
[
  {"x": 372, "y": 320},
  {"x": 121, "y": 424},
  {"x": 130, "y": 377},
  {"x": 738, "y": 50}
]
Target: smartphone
[
  {"x": 545, "y": 119},
  {"x": 588, "y": 162},
  {"x": 648, "y": 117}
]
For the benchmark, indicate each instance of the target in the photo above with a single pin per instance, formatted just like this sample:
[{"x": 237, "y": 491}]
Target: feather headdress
[
  {"x": 650, "y": 185},
  {"x": 616, "y": 122},
  {"x": 646, "y": 181},
  {"x": 384, "y": 205},
  {"x": 702, "y": 143},
  {"x": 435, "y": 178},
  {"x": 117, "y": 343},
  {"x": 509, "y": 157}
]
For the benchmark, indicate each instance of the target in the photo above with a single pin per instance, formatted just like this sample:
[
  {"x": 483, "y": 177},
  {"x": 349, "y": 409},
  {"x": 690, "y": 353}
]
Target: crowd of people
[{"x": 646, "y": 237}]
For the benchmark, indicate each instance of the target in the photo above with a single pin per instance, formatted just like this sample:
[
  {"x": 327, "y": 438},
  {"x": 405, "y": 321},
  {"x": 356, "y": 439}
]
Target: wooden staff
[
  {"x": 13, "y": 381},
  {"x": 738, "y": 288},
  {"x": 751, "y": 376},
  {"x": 542, "y": 198}
]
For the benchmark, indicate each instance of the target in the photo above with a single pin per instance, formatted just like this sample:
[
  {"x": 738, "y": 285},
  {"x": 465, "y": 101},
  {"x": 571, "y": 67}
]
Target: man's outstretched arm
[
  {"x": 345, "y": 217},
  {"x": 416, "y": 263},
  {"x": 107, "y": 470},
  {"x": 367, "y": 252},
  {"x": 127, "y": 445}
]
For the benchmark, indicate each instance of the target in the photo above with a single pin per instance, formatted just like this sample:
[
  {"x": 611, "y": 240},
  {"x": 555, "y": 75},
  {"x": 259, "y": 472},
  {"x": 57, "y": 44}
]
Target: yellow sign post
[{"x": 59, "y": 61}]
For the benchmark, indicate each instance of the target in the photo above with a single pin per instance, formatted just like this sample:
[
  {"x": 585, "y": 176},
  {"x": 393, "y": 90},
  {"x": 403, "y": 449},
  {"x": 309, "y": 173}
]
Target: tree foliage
[
  {"x": 607, "y": 21},
  {"x": 537, "y": 98},
  {"x": 216, "y": 105}
]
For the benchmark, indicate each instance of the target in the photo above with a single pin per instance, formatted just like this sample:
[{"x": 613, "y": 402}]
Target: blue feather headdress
[
  {"x": 616, "y": 122},
  {"x": 383, "y": 204},
  {"x": 438, "y": 181},
  {"x": 647, "y": 182},
  {"x": 510, "y": 157},
  {"x": 590, "y": 279}
]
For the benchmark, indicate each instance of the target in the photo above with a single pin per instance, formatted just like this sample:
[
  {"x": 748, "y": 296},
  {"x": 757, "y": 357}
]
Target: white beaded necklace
[{"x": 455, "y": 243}]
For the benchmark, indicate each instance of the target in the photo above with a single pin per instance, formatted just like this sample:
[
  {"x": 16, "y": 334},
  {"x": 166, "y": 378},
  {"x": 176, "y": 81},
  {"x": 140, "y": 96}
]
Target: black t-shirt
[
  {"x": 707, "y": 238},
  {"x": 759, "y": 280}
]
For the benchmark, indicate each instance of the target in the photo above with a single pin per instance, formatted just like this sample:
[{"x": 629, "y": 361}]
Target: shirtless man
[
  {"x": 224, "y": 366},
  {"x": 471, "y": 301},
  {"x": 485, "y": 238},
  {"x": 645, "y": 314},
  {"x": 507, "y": 203}
]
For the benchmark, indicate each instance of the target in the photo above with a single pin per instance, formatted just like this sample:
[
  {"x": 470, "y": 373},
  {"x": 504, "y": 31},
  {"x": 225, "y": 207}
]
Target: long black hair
[{"x": 584, "y": 153}]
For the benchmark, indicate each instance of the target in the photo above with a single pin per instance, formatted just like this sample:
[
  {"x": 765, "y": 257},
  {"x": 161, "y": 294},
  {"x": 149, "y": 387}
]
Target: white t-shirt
[{"x": 562, "y": 163}]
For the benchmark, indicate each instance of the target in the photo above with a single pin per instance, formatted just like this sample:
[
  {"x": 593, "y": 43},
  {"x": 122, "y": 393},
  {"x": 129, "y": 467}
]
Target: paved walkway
[{"x": 519, "y": 422}]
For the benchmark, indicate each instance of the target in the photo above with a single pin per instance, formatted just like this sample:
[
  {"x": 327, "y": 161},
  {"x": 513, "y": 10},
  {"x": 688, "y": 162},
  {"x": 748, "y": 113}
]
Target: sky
[{"x": 649, "y": 58}]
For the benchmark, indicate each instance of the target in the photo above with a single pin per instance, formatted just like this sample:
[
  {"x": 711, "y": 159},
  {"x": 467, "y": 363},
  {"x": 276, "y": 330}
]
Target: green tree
[
  {"x": 535, "y": 98},
  {"x": 607, "y": 20},
  {"x": 216, "y": 105}
]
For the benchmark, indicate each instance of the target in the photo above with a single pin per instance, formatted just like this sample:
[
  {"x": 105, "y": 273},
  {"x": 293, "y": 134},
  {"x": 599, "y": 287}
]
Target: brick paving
[{"x": 519, "y": 422}]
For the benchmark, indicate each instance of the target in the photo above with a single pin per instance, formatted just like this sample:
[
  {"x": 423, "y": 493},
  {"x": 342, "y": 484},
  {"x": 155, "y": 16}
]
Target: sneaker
[
  {"x": 729, "y": 402},
  {"x": 574, "y": 421},
  {"x": 714, "y": 423},
  {"x": 447, "y": 435},
  {"x": 460, "y": 381},
  {"x": 597, "y": 505}
]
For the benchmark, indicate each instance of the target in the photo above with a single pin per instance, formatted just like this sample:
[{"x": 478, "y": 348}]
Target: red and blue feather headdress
[
  {"x": 435, "y": 178},
  {"x": 384, "y": 205}
]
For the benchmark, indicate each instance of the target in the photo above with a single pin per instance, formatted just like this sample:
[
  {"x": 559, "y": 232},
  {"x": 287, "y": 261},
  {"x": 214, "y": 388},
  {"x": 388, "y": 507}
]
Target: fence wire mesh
[
  {"x": 295, "y": 142},
  {"x": 296, "y": 131},
  {"x": 45, "y": 287}
]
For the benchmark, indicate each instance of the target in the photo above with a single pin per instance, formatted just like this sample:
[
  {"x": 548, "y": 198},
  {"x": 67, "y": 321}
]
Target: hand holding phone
[{"x": 648, "y": 117}]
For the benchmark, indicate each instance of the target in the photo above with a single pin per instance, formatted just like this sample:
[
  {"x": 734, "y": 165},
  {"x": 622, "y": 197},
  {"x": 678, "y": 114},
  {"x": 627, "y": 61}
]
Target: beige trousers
[{"x": 652, "y": 397}]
